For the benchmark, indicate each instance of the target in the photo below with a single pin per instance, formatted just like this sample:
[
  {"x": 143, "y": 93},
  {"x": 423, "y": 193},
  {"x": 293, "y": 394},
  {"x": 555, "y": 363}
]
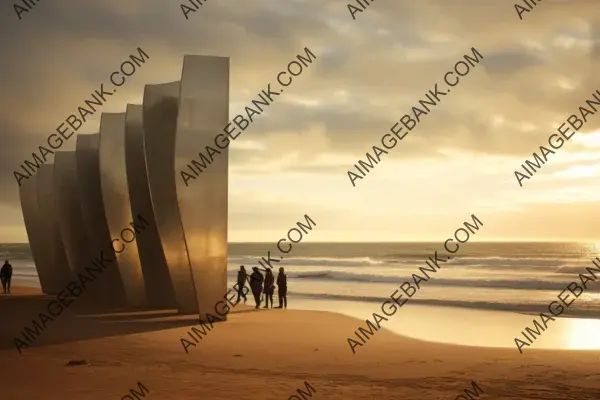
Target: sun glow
[{"x": 588, "y": 140}]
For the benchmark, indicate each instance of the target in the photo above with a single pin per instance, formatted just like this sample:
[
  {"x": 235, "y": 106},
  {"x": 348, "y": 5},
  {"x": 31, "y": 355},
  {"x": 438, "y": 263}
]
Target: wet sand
[{"x": 266, "y": 355}]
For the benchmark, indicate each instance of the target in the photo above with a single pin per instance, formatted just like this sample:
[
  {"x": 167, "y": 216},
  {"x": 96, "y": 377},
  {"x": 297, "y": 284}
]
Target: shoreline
[
  {"x": 517, "y": 308},
  {"x": 472, "y": 305}
]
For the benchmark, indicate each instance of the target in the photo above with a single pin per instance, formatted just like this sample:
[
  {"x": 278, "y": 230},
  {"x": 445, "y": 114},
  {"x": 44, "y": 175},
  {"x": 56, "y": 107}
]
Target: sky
[{"x": 368, "y": 72}]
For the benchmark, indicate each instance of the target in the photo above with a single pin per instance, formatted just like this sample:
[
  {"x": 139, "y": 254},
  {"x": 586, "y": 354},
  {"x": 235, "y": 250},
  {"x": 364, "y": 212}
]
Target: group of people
[
  {"x": 6, "y": 276},
  {"x": 256, "y": 286}
]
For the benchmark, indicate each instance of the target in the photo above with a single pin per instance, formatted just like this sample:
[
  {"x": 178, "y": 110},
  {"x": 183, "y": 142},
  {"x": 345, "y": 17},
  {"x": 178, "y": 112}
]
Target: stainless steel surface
[
  {"x": 160, "y": 120},
  {"x": 38, "y": 240},
  {"x": 159, "y": 289},
  {"x": 70, "y": 220},
  {"x": 94, "y": 218},
  {"x": 54, "y": 248},
  {"x": 203, "y": 112},
  {"x": 117, "y": 206}
]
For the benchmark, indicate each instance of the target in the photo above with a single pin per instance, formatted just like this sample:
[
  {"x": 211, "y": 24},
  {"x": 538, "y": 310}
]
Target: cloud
[{"x": 367, "y": 75}]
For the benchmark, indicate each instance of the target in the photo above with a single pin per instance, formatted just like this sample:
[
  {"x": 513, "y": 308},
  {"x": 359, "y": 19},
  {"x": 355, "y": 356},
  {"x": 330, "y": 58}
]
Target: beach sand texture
[{"x": 266, "y": 355}]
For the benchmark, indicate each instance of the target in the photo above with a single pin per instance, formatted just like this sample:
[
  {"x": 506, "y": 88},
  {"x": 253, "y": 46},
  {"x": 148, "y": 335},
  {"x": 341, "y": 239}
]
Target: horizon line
[{"x": 587, "y": 241}]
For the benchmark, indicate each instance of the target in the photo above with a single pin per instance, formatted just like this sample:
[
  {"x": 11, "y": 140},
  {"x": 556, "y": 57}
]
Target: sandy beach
[{"x": 266, "y": 355}]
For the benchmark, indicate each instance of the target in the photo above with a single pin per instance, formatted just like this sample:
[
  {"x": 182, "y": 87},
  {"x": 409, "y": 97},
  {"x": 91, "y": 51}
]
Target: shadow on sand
[{"x": 83, "y": 321}]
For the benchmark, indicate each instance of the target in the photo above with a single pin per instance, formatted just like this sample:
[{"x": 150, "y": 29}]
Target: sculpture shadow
[{"x": 79, "y": 322}]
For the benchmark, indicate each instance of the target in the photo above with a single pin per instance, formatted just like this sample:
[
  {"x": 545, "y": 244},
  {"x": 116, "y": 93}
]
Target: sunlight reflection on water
[{"x": 469, "y": 327}]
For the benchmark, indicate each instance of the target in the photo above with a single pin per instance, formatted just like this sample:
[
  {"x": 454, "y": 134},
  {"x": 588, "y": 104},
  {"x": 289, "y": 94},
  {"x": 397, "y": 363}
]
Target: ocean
[
  {"x": 500, "y": 276},
  {"x": 355, "y": 278}
]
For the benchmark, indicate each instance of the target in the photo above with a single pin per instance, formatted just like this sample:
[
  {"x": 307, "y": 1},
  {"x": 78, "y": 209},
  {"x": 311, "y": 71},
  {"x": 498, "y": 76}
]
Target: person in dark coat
[
  {"x": 6, "y": 276},
  {"x": 269, "y": 287},
  {"x": 256, "y": 285},
  {"x": 241, "y": 281},
  {"x": 282, "y": 288}
]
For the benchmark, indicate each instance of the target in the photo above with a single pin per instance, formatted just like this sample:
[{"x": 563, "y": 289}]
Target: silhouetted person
[
  {"x": 6, "y": 276},
  {"x": 241, "y": 280},
  {"x": 269, "y": 288},
  {"x": 256, "y": 283},
  {"x": 282, "y": 288}
]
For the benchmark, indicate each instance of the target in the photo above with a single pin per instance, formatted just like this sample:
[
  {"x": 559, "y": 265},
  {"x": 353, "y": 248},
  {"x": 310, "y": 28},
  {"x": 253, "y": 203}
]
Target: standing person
[
  {"x": 269, "y": 287},
  {"x": 241, "y": 280},
  {"x": 6, "y": 276},
  {"x": 2, "y": 277},
  {"x": 256, "y": 283},
  {"x": 282, "y": 288}
]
